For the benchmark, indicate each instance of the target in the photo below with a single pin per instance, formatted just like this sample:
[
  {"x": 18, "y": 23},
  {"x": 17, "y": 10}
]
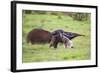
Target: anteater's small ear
[{"x": 72, "y": 47}]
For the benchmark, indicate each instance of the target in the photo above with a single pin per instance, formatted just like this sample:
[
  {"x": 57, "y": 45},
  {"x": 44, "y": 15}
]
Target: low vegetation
[{"x": 50, "y": 22}]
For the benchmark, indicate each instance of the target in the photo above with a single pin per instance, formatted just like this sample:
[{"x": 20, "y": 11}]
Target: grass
[{"x": 38, "y": 52}]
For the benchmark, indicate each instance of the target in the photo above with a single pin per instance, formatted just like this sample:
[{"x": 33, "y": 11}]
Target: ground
[{"x": 42, "y": 52}]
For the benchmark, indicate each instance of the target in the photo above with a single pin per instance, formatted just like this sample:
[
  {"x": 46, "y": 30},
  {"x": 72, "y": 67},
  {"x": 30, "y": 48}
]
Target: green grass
[{"x": 38, "y": 52}]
